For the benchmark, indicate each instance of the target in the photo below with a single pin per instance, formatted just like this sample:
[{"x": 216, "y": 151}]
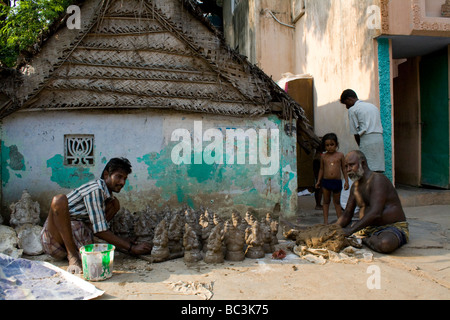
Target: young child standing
[{"x": 330, "y": 177}]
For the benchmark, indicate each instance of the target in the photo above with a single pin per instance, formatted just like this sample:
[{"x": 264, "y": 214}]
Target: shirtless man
[
  {"x": 382, "y": 223},
  {"x": 75, "y": 218}
]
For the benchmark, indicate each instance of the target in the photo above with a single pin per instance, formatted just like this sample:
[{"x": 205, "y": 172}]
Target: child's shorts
[
  {"x": 82, "y": 236},
  {"x": 333, "y": 185}
]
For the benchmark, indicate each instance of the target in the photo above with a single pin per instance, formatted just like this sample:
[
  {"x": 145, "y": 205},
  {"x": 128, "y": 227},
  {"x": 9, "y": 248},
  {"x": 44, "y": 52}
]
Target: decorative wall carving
[
  {"x": 423, "y": 23},
  {"x": 79, "y": 149},
  {"x": 420, "y": 21},
  {"x": 446, "y": 9}
]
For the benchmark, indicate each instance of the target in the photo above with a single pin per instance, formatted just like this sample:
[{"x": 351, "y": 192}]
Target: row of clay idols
[
  {"x": 232, "y": 240},
  {"x": 209, "y": 238}
]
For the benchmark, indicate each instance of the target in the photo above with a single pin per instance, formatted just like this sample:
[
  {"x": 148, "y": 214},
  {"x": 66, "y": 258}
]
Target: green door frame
[{"x": 434, "y": 101}]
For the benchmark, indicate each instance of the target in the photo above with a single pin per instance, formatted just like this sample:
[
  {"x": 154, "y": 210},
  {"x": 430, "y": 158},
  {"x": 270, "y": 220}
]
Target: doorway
[
  {"x": 421, "y": 121},
  {"x": 434, "y": 101}
]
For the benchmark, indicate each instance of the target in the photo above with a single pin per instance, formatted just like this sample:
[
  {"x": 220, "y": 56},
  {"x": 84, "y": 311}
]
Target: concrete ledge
[{"x": 419, "y": 197}]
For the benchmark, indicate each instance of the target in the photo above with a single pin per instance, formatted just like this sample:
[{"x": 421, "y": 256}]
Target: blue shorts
[
  {"x": 333, "y": 185},
  {"x": 401, "y": 236}
]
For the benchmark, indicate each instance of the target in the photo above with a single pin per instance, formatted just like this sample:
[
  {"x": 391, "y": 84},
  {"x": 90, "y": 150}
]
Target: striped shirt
[{"x": 87, "y": 203}]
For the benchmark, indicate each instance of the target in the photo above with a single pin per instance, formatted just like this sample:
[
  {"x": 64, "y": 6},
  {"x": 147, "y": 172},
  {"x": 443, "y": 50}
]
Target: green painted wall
[
  {"x": 68, "y": 177},
  {"x": 384, "y": 70},
  {"x": 33, "y": 159},
  {"x": 13, "y": 162}
]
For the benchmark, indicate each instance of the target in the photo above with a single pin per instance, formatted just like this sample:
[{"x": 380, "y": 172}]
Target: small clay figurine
[
  {"x": 249, "y": 218},
  {"x": 24, "y": 211},
  {"x": 234, "y": 239},
  {"x": 175, "y": 235},
  {"x": 218, "y": 221},
  {"x": 191, "y": 218},
  {"x": 254, "y": 241},
  {"x": 268, "y": 246},
  {"x": 160, "y": 251},
  {"x": 214, "y": 253},
  {"x": 274, "y": 225},
  {"x": 238, "y": 222},
  {"x": 123, "y": 224},
  {"x": 192, "y": 252},
  {"x": 25, "y": 220},
  {"x": 207, "y": 224}
]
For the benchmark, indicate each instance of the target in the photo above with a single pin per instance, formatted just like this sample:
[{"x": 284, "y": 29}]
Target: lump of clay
[
  {"x": 9, "y": 242},
  {"x": 29, "y": 239},
  {"x": 24, "y": 211},
  {"x": 160, "y": 251},
  {"x": 234, "y": 239},
  {"x": 254, "y": 241},
  {"x": 320, "y": 236},
  {"x": 214, "y": 252},
  {"x": 192, "y": 252}
]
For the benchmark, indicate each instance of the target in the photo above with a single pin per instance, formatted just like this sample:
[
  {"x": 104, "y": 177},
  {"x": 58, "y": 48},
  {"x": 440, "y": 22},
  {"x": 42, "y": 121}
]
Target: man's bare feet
[{"x": 74, "y": 265}]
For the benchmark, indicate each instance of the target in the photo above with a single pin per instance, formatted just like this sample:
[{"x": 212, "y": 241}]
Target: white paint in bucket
[{"x": 97, "y": 260}]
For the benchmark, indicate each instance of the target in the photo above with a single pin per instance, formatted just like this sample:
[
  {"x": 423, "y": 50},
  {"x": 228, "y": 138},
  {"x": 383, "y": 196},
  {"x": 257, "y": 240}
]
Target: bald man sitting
[{"x": 382, "y": 223}]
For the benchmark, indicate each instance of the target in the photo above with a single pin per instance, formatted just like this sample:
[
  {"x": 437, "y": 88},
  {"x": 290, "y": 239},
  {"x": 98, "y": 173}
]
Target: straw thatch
[{"x": 161, "y": 54}]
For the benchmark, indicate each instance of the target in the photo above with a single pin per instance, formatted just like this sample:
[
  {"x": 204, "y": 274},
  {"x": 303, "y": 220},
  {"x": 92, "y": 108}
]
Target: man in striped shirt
[{"x": 75, "y": 218}]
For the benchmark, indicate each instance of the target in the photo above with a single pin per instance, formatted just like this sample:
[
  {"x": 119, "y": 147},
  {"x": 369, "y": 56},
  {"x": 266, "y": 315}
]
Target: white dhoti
[
  {"x": 345, "y": 194},
  {"x": 372, "y": 146}
]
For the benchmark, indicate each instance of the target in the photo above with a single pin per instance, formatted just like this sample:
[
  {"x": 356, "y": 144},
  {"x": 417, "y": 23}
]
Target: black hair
[
  {"x": 349, "y": 93},
  {"x": 116, "y": 164},
  {"x": 330, "y": 136}
]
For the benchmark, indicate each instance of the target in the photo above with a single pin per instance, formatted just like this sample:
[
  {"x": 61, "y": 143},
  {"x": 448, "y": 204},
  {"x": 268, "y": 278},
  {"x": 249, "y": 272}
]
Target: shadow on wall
[
  {"x": 333, "y": 117},
  {"x": 327, "y": 19}
]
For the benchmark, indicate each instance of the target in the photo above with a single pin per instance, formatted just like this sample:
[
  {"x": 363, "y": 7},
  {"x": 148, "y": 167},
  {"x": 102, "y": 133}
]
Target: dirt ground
[{"x": 419, "y": 270}]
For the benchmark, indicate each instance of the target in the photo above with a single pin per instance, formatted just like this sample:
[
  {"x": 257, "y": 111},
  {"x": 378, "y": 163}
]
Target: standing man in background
[{"x": 365, "y": 125}]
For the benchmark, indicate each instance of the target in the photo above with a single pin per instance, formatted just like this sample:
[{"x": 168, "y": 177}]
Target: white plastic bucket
[{"x": 97, "y": 260}]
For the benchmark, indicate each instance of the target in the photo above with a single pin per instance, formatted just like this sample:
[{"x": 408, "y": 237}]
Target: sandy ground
[{"x": 419, "y": 270}]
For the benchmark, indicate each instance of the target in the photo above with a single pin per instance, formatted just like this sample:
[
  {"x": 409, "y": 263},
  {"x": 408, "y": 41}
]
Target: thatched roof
[{"x": 161, "y": 54}]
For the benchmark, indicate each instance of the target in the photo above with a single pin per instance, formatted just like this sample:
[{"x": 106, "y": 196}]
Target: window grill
[{"x": 79, "y": 150}]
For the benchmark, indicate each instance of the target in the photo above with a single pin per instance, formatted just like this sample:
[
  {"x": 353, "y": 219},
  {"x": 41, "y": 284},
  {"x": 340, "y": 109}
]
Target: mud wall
[{"x": 178, "y": 159}]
